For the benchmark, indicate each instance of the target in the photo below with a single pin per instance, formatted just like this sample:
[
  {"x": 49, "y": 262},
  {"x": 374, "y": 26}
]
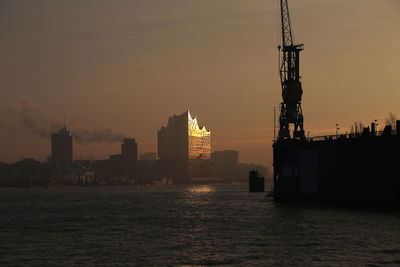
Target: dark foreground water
[{"x": 186, "y": 225}]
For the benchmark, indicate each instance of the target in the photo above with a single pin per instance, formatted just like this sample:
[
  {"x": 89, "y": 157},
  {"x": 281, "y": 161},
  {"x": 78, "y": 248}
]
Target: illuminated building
[
  {"x": 184, "y": 148},
  {"x": 61, "y": 150},
  {"x": 199, "y": 143}
]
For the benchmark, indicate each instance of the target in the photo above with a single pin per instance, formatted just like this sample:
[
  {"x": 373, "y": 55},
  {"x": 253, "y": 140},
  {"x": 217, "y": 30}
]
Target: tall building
[
  {"x": 184, "y": 148},
  {"x": 183, "y": 138},
  {"x": 129, "y": 149},
  {"x": 61, "y": 150},
  {"x": 120, "y": 165},
  {"x": 129, "y": 156}
]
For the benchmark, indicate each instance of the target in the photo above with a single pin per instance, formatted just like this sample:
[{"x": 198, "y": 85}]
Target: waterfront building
[
  {"x": 184, "y": 148},
  {"x": 120, "y": 165},
  {"x": 61, "y": 150},
  {"x": 129, "y": 150},
  {"x": 129, "y": 156}
]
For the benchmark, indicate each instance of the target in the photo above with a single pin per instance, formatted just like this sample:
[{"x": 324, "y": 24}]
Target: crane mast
[{"x": 291, "y": 112}]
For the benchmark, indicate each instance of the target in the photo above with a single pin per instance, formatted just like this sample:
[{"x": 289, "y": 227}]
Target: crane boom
[
  {"x": 287, "y": 38},
  {"x": 291, "y": 111}
]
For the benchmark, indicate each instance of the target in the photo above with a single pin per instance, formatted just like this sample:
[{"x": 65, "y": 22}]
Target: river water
[{"x": 187, "y": 225}]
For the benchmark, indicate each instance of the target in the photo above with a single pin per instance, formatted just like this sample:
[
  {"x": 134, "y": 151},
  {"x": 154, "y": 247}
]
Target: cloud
[{"x": 34, "y": 121}]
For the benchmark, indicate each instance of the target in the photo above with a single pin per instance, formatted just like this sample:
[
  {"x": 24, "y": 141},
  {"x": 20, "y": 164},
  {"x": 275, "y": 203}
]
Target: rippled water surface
[{"x": 186, "y": 225}]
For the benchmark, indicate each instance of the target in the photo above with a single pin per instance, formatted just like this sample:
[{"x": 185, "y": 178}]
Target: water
[{"x": 186, "y": 225}]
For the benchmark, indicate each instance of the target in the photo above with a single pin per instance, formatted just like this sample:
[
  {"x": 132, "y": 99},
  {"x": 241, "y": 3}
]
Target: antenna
[{"x": 65, "y": 125}]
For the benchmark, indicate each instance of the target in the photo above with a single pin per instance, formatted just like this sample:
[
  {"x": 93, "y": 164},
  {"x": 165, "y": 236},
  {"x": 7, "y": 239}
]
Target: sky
[{"x": 121, "y": 68}]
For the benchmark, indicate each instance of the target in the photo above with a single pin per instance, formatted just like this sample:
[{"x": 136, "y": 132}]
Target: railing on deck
[{"x": 347, "y": 136}]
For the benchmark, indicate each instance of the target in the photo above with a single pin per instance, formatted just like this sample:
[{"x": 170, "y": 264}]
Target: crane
[{"x": 291, "y": 111}]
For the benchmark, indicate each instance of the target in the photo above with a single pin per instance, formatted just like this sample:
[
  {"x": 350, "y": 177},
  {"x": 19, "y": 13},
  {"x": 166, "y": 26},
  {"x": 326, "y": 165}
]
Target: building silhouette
[
  {"x": 129, "y": 150},
  {"x": 148, "y": 156},
  {"x": 61, "y": 150},
  {"x": 120, "y": 165},
  {"x": 225, "y": 163},
  {"x": 129, "y": 156},
  {"x": 184, "y": 148}
]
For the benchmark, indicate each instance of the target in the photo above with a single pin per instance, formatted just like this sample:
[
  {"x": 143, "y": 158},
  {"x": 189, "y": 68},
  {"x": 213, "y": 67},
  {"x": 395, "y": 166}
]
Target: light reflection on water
[
  {"x": 197, "y": 198},
  {"x": 201, "y": 189},
  {"x": 186, "y": 225}
]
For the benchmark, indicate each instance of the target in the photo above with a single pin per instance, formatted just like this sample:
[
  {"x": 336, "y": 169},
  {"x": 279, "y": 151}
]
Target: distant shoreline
[{"x": 55, "y": 186}]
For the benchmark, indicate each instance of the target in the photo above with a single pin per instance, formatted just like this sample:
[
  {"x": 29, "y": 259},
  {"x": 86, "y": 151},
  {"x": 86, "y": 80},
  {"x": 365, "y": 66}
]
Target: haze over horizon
[{"x": 129, "y": 65}]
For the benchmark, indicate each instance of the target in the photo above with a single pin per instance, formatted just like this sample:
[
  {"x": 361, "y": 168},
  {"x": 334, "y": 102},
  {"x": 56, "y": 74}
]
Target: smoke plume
[
  {"x": 98, "y": 136},
  {"x": 33, "y": 120},
  {"x": 391, "y": 120}
]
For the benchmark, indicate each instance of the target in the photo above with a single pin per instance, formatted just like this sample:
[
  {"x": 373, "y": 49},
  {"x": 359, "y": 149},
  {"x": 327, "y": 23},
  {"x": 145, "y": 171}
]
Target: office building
[
  {"x": 61, "y": 150},
  {"x": 120, "y": 165},
  {"x": 129, "y": 150}
]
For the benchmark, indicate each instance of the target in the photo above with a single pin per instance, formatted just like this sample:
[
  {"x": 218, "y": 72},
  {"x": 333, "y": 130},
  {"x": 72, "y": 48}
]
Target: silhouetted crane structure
[{"x": 291, "y": 112}]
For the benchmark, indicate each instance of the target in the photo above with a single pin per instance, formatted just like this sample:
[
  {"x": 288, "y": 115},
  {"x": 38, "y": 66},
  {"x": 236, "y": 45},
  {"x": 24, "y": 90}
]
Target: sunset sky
[{"x": 130, "y": 64}]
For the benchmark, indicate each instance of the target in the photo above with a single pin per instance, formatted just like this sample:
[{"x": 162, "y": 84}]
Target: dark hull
[{"x": 364, "y": 170}]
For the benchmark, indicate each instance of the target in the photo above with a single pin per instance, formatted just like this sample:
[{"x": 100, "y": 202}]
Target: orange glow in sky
[{"x": 129, "y": 65}]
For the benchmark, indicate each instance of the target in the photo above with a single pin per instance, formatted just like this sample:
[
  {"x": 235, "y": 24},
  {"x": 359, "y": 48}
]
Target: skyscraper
[
  {"x": 61, "y": 150},
  {"x": 184, "y": 148},
  {"x": 129, "y": 149}
]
